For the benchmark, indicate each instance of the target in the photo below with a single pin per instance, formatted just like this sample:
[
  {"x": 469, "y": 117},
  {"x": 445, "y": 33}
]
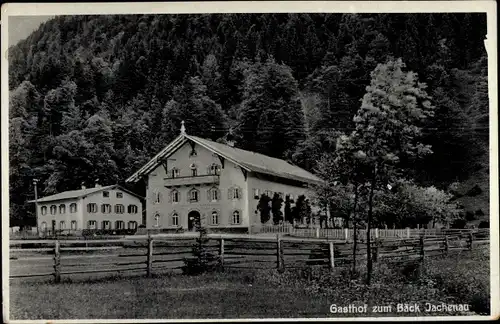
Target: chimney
[
  {"x": 97, "y": 185},
  {"x": 83, "y": 186},
  {"x": 183, "y": 128},
  {"x": 230, "y": 143}
]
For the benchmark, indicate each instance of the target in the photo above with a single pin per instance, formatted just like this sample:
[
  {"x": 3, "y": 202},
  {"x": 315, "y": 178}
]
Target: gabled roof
[
  {"x": 250, "y": 161},
  {"x": 73, "y": 194}
]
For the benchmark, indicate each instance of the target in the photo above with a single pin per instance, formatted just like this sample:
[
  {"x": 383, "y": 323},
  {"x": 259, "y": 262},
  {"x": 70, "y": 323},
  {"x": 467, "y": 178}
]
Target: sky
[{"x": 20, "y": 27}]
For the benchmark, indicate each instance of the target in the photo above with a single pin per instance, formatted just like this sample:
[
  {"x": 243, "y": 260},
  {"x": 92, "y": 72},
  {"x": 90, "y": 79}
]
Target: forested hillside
[{"x": 94, "y": 97}]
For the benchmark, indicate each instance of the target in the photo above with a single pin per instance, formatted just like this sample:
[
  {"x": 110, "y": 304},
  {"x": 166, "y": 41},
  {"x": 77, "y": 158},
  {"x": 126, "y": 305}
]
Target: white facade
[{"x": 110, "y": 208}]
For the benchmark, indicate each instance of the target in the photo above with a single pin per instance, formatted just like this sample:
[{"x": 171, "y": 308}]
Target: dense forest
[{"x": 95, "y": 97}]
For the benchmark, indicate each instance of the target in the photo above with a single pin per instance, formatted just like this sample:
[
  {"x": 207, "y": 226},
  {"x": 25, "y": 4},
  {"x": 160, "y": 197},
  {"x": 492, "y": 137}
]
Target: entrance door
[
  {"x": 193, "y": 220},
  {"x": 53, "y": 226}
]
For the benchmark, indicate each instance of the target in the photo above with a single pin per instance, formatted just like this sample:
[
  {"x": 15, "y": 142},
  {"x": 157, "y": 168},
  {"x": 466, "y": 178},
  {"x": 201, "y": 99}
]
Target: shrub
[{"x": 202, "y": 260}]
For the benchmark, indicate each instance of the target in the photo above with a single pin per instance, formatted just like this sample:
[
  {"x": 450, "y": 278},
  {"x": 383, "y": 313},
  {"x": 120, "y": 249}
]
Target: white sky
[{"x": 20, "y": 27}]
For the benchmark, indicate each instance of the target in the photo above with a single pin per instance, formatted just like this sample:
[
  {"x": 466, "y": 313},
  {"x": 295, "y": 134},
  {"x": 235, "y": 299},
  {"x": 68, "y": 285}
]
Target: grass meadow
[{"x": 295, "y": 293}]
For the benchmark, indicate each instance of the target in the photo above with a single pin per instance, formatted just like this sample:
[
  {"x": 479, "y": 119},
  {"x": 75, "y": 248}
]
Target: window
[
  {"x": 280, "y": 195},
  {"x": 234, "y": 193},
  {"x": 119, "y": 195},
  {"x": 174, "y": 195},
  {"x": 92, "y": 224},
  {"x": 214, "y": 169},
  {"x": 44, "y": 210},
  {"x": 236, "y": 217},
  {"x": 193, "y": 195},
  {"x": 132, "y": 209},
  {"x": 194, "y": 170},
  {"x": 256, "y": 194},
  {"x": 72, "y": 208},
  {"x": 92, "y": 208},
  {"x": 73, "y": 225},
  {"x": 132, "y": 225},
  {"x": 53, "y": 209},
  {"x": 175, "y": 219},
  {"x": 62, "y": 209},
  {"x": 175, "y": 172},
  {"x": 192, "y": 153},
  {"x": 106, "y": 224},
  {"x": 119, "y": 225},
  {"x": 44, "y": 226},
  {"x": 215, "y": 218},
  {"x": 213, "y": 194},
  {"x": 157, "y": 220},
  {"x": 269, "y": 193},
  {"x": 291, "y": 198},
  {"x": 105, "y": 194},
  {"x": 62, "y": 225},
  {"x": 119, "y": 209},
  {"x": 105, "y": 208},
  {"x": 156, "y": 197}
]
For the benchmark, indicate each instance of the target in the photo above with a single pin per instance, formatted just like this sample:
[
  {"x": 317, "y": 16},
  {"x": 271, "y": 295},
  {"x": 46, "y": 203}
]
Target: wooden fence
[{"x": 167, "y": 252}]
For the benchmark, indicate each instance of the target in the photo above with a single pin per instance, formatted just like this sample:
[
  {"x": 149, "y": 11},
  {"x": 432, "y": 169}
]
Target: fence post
[
  {"x": 279, "y": 253},
  {"x": 446, "y": 245},
  {"x": 407, "y": 232},
  {"x": 221, "y": 253},
  {"x": 346, "y": 234},
  {"x": 332, "y": 255},
  {"x": 149, "y": 257},
  {"x": 375, "y": 250},
  {"x": 470, "y": 241},
  {"x": 422, "y": 250},
  {"x": 376, "y": 233},
  {"x": 57, "y": 262},
  {"x": 317, "y": 232}
]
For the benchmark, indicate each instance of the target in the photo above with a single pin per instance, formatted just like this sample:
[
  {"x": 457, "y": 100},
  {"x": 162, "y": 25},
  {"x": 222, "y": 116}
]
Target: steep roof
[
  {"x": 73, "y": 194},
  {"x": 250, "y": 161}
]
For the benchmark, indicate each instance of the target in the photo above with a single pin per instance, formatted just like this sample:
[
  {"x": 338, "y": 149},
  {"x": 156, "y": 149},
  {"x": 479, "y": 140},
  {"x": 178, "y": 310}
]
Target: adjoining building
[
  {"x": 197, "y": 180},
  {"x": 109, "y": 208}
]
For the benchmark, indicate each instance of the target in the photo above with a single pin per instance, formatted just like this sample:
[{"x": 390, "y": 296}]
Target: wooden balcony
[{"x": 190, "y": 181}]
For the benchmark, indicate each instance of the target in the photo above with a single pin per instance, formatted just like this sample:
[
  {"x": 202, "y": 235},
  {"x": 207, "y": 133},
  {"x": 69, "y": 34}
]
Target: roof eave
[
  {"x": 218, "y": 152},
  {"x": 153, "y": 162}
]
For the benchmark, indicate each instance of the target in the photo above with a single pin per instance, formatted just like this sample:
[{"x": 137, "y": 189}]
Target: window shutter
[
  {"x": 209, "y": 198},
  {"x": 170, "y": 196},
  {"x": 230, "y": 193}
]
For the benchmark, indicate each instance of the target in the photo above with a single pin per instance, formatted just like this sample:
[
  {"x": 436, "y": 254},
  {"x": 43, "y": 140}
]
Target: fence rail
[
  {"x": 167, "y": 252},
  {"x": 347, "y": 234}
]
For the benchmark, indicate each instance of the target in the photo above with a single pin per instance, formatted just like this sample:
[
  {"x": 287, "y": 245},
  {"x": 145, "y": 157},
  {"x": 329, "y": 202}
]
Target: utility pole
[{"x": 35, "y": 181}]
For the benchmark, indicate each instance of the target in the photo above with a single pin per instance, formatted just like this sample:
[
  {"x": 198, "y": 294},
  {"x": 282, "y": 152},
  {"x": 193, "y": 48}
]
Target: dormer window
[
  {"x": 193, "y": 153},
  {"x": 175, "y": 173}
]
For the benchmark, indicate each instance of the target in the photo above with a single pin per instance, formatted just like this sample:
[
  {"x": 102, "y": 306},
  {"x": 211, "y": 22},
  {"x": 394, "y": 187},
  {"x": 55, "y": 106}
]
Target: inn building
[
  {"x": 102, "y": 207},
  {"x": 197, "y": 180}
]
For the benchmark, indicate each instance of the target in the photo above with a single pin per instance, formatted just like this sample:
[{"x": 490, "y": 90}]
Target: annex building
[
  {"x": 108, "y": 207},
  {"x": 197, "y": 180}
]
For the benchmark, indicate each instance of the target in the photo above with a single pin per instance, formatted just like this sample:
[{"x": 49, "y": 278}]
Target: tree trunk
[{"x": 368, "y": 225}]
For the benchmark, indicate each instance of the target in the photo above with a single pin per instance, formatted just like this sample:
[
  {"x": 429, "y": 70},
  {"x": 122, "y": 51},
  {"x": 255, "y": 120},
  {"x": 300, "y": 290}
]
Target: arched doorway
[{"x": 193, "y": 220}]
